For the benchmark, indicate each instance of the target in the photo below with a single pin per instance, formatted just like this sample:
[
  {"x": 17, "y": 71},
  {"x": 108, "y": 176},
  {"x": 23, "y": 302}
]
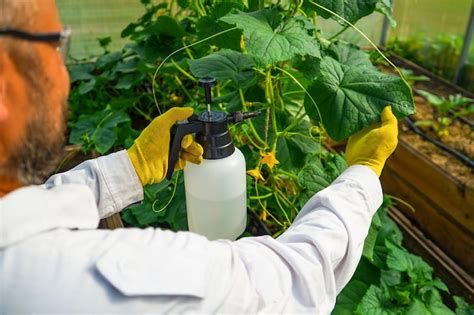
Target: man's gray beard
[
  {"x": 41, "y": 153},
  {"x": 41, "y": 150}
]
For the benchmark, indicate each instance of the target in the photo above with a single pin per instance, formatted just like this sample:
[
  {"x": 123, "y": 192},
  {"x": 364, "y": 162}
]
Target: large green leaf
[
  {"x": 100, "y": 130},
  {"x": 462, "y": 307},
  {"x": 81, "y": 72},
  {"x": 224, "y": 65},
  {"x": 308, "y": 66},
  {"x": 160, "y": 206},
  {"x": 350, "y": 297},
  {"x": 390, "y": 231},
  {"x": 86, "y": 86},
  {"x": 209, "y": 25},
  {"x": 129, "y": 80},
  {"x": 401, "y": 260},
  {"x": 417, "y": 307},
  {"x": 377, "y": 302},
  {"x": 167, "y": 25},
  {"x": 305, "y": 143},
  {"x": 315, "y": 176},
  {"x": 434, "y": 302},
  {"x": 288, "y": 154},
  {"x": 371, "y": 239},
  {"x": 351, "y": 10},
  {"x": 351, "y": 98},
  {"x": 349, "y": 54},
  {"x": 271, "y": 38},
  {"x": 104, "y": 139},
  {"x": 108, "y": 59},
  {"x": 313, "y": 179},
  {"x": 365, "y": 275}
]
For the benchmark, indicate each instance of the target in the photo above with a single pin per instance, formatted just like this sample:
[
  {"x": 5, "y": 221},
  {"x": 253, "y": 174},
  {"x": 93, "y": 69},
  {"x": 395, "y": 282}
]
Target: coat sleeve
[
  {"x": 302, "y": 271},
  {"x": 316, "y": 257},
  {"x": 111, "y": 178}
]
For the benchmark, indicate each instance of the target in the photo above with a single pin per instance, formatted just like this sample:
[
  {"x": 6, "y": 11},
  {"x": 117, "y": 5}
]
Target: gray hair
[{"x": 18, "y": 13}]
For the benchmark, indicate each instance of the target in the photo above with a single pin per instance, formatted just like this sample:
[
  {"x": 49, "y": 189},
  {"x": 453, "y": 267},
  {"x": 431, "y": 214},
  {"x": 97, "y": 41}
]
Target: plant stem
[
  {"x": 291, "y": 93},
  {"x": 270, "y": 97},
  {"x": 296, "y": 6},
  {"x": 263, "y": 207},
  {"x": 171, "y": 198},
  {"x": 282, "y": 210},
  {"x": 303, "y": 88},
  {"x": 142, "y": 113},
  {"x": 261, "y": 197},
  {"x": 100, "y": 124},
  {"x": 199, "y": 7},
  {"x": 253, "y": 142},
  {"x": 338, "y": 33},
  {"x": 188, "y": 75},
  {"x": 187, "y": 50},
  {"x": 279, "y": 95},
  {"x": 180, "y": 84},
  {"x": 249, "y": 122},
  {"x": 409, "y": 206},
  {"x": 289, "y": 203},
  {"x": 287, "y": 174},
  {"x": 295, "y": 122}
]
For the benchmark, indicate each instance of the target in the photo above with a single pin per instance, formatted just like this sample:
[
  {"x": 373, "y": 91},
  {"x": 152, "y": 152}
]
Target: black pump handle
[
  {"x": 178, "y": 132},
  {"x": 207, "y": 83}
]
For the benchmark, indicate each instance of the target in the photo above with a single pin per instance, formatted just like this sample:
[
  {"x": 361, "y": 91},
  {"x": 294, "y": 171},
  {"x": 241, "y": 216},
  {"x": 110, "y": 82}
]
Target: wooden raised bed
[
  {"x": 443, "y": 205},
  {"x": 443, "y": 202},
  {"x": 443, "y": 208}
]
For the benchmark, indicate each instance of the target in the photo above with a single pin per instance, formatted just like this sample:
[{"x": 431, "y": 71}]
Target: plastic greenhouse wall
[
  {"x": 434, "y": 28},
  {"x": 431, "y": 32},
  {"x": 92, "y": 19}
]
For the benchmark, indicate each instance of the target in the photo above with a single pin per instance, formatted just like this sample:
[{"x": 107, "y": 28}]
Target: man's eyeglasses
[{"x": 63, "y": 38}]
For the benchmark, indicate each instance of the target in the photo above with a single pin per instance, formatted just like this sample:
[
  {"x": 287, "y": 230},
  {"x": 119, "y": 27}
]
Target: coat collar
[{"x": 31, "y": 210}]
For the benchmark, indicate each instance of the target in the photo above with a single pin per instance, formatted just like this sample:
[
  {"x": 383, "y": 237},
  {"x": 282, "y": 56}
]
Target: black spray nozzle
[
  {"x": 210, "y": 128},
  {"x": 240, "y": 116},
  {"x": 207, "y": 83}
]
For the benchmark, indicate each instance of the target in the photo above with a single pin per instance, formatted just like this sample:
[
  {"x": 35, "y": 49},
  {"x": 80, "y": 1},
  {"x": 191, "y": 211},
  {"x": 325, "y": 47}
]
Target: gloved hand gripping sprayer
[{"x": 216, "y": 190}]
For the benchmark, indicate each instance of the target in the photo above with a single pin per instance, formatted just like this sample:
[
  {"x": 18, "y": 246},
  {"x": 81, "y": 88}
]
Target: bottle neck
[{"x": 216, "y": 142}]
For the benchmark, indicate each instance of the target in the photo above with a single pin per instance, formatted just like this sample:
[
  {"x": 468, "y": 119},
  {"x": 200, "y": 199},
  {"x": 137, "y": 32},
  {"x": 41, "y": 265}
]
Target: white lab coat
[{"x": 54, "y": 260}]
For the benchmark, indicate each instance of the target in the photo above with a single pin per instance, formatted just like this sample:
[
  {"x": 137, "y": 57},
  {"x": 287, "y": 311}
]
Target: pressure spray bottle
[{"x": 216, "y": 190}]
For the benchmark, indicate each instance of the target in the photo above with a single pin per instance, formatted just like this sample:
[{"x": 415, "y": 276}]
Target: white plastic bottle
[{"x": 216, "y": 197}]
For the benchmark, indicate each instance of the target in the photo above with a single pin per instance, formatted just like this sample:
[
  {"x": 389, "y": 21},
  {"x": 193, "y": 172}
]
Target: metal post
[
  {"x": 465, "y": 47},
  {"x": 385, "y": 26}
]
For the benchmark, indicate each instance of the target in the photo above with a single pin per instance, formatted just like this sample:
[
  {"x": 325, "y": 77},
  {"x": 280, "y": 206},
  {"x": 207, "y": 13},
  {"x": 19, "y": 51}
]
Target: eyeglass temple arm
[{"x": 39, "y": 37}]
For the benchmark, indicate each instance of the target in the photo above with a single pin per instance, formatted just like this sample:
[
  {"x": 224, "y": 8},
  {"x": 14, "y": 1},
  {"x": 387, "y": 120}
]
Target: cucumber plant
[
  {"x": 267, "y": 56},
  {"x": 446, "y": 110},
  {"x": 412, "y": 78}
]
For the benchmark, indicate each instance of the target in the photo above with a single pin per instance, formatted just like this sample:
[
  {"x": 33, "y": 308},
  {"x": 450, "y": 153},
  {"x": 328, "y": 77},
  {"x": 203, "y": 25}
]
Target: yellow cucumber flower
[
  {"x": 269, "y": 158},
  {"x": 255, "y": 173}
]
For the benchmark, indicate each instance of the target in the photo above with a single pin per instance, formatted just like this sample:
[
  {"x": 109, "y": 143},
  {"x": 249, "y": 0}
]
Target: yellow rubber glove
[
  {"x": 372, "y": 146},
  {"x": 150, "y": 152}
]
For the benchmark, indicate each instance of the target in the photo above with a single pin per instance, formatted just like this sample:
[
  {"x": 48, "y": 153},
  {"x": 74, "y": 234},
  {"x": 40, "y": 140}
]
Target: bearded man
[{"x": 52, "y": 257}]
